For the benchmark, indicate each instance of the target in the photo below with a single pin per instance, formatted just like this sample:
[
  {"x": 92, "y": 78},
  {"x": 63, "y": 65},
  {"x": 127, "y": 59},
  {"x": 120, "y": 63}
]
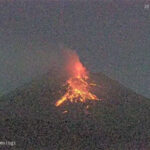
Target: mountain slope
[{"x": 119, "y": 121}]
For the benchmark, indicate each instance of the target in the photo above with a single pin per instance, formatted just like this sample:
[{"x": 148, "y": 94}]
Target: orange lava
[{"x": 78, "y": 86}]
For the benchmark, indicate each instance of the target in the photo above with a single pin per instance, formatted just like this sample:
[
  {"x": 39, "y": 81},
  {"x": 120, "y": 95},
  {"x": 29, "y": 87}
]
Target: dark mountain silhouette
[{"x": 119, "y": 121}]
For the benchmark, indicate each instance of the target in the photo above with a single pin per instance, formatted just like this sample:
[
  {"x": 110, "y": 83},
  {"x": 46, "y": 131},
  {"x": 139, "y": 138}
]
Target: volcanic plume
[{"x": 78, "y": 86}]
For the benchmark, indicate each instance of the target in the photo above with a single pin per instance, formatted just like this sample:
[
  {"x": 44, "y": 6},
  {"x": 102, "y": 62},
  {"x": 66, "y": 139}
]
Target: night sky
[{"x": 111, "y": 37}]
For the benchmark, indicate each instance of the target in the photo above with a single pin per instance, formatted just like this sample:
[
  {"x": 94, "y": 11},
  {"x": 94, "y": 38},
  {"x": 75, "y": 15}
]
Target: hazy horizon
[{"x": 110, "y": 38}]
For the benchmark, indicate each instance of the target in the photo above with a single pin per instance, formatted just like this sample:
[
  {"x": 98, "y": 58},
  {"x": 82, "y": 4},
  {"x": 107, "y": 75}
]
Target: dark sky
[{"x": 110, "y": 37}]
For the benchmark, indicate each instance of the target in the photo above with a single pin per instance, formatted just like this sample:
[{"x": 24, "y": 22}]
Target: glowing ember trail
[{"x": 78, "y": 86}]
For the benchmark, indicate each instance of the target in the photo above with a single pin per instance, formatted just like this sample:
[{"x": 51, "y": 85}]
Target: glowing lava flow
[{"x": 78, "y": 87}]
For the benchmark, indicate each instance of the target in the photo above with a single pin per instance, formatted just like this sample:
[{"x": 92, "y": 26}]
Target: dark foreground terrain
[{"x": 120, "y": 121}]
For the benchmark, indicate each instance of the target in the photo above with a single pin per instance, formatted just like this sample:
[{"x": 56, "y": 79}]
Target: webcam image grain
[{"x": 75, "y": 74}]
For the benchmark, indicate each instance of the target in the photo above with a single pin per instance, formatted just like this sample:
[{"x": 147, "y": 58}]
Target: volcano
[{"x": 30, "y": 117}]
